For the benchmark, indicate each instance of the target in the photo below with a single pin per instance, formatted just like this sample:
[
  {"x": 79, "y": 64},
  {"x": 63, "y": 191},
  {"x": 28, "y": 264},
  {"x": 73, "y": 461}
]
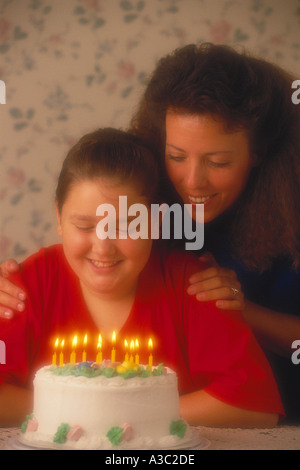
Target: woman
[
  {"x": 227, "y": 135},
  {"x": 225, "y": 132}
]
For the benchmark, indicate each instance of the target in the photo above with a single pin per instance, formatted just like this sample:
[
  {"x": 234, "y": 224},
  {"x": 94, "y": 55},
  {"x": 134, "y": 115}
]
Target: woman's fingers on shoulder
[
  {"x": 231, "y": 304},
  {"x": 10, "y": 305},
  {"x": 8, "y": 267},
  {"x": 214, "y": 276},
  {"x": 12, "y": 298}
]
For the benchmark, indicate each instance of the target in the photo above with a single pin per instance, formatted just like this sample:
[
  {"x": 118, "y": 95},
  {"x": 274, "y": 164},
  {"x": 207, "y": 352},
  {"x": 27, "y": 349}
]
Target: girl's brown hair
[
  {"x": 247, "y": 93},
  {"x": 109, "y": 153}
]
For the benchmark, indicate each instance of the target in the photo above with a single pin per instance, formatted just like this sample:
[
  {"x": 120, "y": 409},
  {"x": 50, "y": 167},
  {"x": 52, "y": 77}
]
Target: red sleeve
[
  {"x": 24, "y": 334},
  {"x": 224, "y": 357}
]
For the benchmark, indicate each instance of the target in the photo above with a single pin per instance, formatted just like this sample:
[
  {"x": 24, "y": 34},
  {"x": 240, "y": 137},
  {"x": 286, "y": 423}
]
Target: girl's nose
[{"x": 104, "y": 243}]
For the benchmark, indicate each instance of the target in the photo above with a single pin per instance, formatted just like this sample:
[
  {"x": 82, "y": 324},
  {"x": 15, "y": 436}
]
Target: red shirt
[{"x": 207, "y": 347}]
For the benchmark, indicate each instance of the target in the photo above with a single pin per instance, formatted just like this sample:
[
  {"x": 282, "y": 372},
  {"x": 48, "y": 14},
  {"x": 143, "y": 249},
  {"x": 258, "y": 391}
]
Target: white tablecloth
[{"x": 278, "y": 438}]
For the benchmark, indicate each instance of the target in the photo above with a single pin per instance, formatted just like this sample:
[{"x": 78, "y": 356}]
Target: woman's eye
[
  {"x": 218, "y": 164},
  {"x": 175, "y": 158}
]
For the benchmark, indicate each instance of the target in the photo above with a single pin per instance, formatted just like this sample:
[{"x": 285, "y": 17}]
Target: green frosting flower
[
  {"x": 61, "y": 434},
  {"x": 178, "y": 428},
  {"x": 115, "y": 435},
  {"x": 158, "y": 370},
  {"x": 86, "y": 370},
  {"x": 25, "y": 423},
  {"x": 129, "y": 374}
]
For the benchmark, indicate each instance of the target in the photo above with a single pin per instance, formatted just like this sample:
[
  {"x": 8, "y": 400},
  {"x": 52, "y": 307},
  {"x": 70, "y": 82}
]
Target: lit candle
[
  {"x": 73, "y": 353},
  {"x": 99, "y": 354},
  {"x": 113, "y": 352},
  {"x": 126, "y": 347},
  {"x": 84, "y": 351},
  {"x": 61, "y": 355},
  {"x": 54, "y": 355},
  {"x": 150, "y": 346},
  {"x": 137, "y": 358},
  {"x": 131, "y": 350}
]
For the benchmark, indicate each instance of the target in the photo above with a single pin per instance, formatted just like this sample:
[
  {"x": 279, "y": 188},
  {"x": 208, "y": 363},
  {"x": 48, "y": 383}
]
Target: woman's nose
[{"x": 196, "y": 176}]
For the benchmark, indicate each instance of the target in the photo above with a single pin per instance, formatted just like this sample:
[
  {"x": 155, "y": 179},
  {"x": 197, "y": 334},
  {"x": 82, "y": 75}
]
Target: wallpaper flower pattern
[{"x": 74, "y": 65}]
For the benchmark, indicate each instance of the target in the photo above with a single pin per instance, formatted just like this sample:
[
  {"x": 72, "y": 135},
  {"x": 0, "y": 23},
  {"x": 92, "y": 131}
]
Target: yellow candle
[
  {"x": 73, "y": 353},
  {"x": 113, "y": 352},
  {"x": 84, "y": 351},
  {"x": 126, "y": 347},
  {"x": 99, "y": 354},
  {"x": 150, "y": 346},
  {"x": 54, "y": 355},
  {"x": 131, "y": 350},
  {"x": 61, "y": 355},
  {"x": 137, "y": 358}
]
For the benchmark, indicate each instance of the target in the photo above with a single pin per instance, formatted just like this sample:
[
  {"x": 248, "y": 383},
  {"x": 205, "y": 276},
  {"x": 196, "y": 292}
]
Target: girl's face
[
  {"x": 206, "y": 163},
  {"x": 109, "y": 267}
]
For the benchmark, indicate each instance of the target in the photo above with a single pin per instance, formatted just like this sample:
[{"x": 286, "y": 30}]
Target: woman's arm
[
  {"x": 11, "y": 297},
  {"x": 275, "y": 331},
  {"x": 15, "y": 404},
  {"x": 201, "y": 409}
]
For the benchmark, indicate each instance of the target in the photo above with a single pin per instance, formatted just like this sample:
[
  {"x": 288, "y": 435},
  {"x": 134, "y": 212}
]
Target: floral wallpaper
[{"x": 70, "y": 66}]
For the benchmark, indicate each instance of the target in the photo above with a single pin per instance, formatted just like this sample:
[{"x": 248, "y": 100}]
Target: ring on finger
[{"x": 235, "y": 291}]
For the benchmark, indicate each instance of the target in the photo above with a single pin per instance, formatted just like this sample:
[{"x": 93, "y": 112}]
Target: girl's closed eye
[{"x": 85, "y": 228}]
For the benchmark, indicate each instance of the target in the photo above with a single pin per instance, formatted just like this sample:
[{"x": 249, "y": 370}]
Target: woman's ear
[{"x": 58, "y": 217}]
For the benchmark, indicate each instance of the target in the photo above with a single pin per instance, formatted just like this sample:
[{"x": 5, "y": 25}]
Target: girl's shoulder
[
  {"x": 176, "y": 263},
  {"x": 42, "y": 264}
]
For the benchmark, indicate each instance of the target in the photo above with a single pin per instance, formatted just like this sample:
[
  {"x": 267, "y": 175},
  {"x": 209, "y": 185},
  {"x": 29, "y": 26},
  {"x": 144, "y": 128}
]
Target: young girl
[{"x": 99, "y": 285}]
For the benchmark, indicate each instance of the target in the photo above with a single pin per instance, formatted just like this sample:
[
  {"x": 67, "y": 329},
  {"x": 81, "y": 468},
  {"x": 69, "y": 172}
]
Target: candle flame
[
  {"x": 137, "y": 344},
  {"x": 99, "y": 345},
  {"x": 56, "y": 343},
  {"x": 74, "y": 342},
  {"x": 126, "y": 343},
  {"x": 114, "y": 337},
  {"x": 150, "y": 344},
  {"x": 132, "y": 345},
  {"x": 85, "y": 340},
  {"x": 62, "y": 343}
]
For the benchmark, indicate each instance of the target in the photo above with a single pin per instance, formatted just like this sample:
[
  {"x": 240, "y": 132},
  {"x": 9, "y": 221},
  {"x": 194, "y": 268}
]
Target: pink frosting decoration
[
  {"x": 32, "y": 425},
  {"x": 106, "y": 362},
  {"x": 127, "y": 432},
  {"x": 75, "y": 433}
]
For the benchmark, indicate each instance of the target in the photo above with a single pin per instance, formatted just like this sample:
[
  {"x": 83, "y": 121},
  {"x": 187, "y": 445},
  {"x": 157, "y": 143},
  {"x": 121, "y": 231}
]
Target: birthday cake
[{"x": 91, "y": 406}]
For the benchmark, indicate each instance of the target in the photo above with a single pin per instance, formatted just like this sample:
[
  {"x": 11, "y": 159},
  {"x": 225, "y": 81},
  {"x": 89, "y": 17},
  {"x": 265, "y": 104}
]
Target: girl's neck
[{"x": 109, "y": 314}]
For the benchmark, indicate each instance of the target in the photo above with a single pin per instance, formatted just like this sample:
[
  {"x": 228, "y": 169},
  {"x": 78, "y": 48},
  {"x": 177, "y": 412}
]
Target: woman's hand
[
  {"x": 12, "y": 298},
  {"x": 217, "y": 284}
]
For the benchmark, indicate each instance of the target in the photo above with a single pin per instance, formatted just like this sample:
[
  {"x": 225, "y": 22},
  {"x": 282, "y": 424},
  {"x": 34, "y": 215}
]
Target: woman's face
[
  {"x": 206, "y": 163},
  {"x": 107, "y": 267}
]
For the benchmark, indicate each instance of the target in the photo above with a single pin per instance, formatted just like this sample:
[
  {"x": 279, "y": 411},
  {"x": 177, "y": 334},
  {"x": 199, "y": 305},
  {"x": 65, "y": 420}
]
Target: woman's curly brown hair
[{"x": 247, "y": 93}]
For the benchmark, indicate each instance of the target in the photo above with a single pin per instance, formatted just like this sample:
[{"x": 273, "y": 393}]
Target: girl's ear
[{"x": 58, "y": 217}]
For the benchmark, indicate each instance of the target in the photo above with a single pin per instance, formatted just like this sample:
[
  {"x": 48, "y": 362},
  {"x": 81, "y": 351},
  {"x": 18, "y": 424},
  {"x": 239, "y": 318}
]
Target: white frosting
[{"x": 96, "y": 404}]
